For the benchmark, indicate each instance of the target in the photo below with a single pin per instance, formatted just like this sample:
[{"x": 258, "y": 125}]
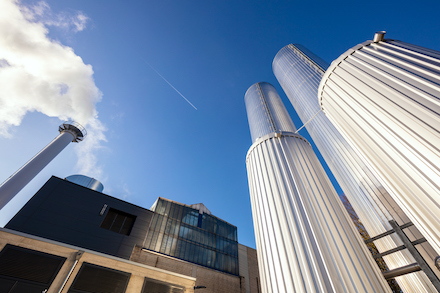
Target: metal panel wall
[
  {"x": 305, "y": 239},
  {"x": 299, "y": 72},
  {"x": 384, "y": 99},
  {"x": 66, "y": 212}
]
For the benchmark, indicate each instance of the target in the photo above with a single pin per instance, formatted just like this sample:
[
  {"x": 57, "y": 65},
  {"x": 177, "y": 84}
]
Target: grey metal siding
[{"x": 69, "y": 213}]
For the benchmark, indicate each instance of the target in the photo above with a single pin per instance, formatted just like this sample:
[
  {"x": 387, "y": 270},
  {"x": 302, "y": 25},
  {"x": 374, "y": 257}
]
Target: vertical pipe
[
  {"x": 69, "y": 132},
  {"x": 78, "y": 255}
]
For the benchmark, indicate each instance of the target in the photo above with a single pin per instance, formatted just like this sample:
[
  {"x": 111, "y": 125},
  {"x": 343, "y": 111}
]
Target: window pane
[
  {"x": 118, "y": 221},
  {"x": 109, "y": 218}
]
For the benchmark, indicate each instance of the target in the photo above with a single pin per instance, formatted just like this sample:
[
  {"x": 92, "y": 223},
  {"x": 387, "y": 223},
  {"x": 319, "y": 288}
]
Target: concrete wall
[{"x": 138, "y": 271}]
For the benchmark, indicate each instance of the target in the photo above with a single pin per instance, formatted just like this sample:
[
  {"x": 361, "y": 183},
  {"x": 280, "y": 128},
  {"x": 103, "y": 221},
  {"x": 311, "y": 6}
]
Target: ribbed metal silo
[
  {"x": 69, "y": 132},
  {"x": 305, "y": 239},
  {"x": 384, "y": 98},
  {"x": 299, "y": 73}
]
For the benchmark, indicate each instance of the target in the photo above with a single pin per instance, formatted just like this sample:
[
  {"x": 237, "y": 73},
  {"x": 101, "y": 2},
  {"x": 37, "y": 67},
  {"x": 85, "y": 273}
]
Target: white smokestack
[{"x": 69, "y": 132}]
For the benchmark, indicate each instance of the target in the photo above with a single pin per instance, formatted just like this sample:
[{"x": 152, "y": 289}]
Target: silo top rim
[
  {"x": 378, "y": 37},
  {"x": 260, "y": 82}
]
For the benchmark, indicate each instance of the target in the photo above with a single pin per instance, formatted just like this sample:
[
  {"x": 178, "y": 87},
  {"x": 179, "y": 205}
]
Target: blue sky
[{"x": 156, "y": 144}]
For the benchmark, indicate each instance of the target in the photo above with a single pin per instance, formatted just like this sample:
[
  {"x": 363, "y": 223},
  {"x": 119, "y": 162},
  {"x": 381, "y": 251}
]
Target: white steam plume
[{"x": 40, "y": 74}]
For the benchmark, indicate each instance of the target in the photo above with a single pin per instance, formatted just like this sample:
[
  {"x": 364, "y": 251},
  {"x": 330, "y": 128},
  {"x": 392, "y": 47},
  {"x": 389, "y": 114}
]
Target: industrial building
[
  {"x": 374, "y": 116},
  {"x": 94, "y": 239}
]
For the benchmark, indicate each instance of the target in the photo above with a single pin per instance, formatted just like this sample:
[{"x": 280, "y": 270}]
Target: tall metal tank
[
  {"x": 299, "y": 72},
  {"x": 69, "y": 132},
  {"x": 384, "y": 98},
  {"x": 305, "y": 239}
]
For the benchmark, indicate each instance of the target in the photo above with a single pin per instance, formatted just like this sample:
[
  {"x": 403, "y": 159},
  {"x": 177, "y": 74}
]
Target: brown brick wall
[{"x": 253, "y": 270}]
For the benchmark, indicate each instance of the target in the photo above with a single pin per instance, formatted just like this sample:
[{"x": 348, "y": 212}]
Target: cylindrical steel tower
[
  {"x": 305, "y": 239},
  {"x": 299, "y": 72},
  {"x": 383, "y": 96},
  {"x": 69, "y": 132}
]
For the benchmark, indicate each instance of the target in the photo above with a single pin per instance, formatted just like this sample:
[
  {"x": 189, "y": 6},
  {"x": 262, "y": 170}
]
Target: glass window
[
  {"x": 167, "y": 227},
  {"x": 195, "y": 217},
  {"x": 204, "y": 256},
  {"x": 169, "y": 245},
  {"x": 185, "y": 217},
  {"x": 163, "y": 244},
  {"x": 149, "y": 238},
  {"x": 167, "y": 205},
  {"x": 196, "y": 253},
  {"x": 176, "y": 228},
  {"x": 208, "y": 261},
  {"x": 173, "y": 246},
  {"x": 204, "y": 236},
  {"x": 160, "y": 208},
  {"x": 183, "y": 250},
  {"x": 178, "y": 248},
  {"x": 183, "y": 231},
  {"x": 118, "y": 221},
  {"x": 220, "y": 261},
  {"x": 190, "y": 236},
  {"x": 211, "y": 240},
  {"x": 172, "y": 209},
  {"x": 179, "y": 215},
  {"x": 191, "y": 252}
]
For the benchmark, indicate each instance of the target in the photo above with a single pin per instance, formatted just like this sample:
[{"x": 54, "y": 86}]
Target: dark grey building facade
[{"x": 67, "y": 212}]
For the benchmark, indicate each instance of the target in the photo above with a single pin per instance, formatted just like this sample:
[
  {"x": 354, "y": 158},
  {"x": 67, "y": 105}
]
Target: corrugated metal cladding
[
  {"x": 305, "y": 241},
  {"x": 299, "y": 73},
  {"x": 266, "y": 114},
  {"x": 384, "y": 98}
]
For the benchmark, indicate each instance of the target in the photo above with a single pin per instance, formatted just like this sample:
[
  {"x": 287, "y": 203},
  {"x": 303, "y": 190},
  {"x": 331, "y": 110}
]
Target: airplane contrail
[{"x": 171, "y": 85}]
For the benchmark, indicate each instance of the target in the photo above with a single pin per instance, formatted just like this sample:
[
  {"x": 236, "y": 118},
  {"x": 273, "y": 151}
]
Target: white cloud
[
  {"x": 125, "y": 192},
  {"x": 68, "y": 20},
  {"x": 80, "y": 21},
  {"x": 40, "y": 74}
]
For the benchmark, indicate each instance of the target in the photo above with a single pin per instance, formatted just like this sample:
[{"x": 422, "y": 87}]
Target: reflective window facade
[{"x": 181, "y": 231}]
